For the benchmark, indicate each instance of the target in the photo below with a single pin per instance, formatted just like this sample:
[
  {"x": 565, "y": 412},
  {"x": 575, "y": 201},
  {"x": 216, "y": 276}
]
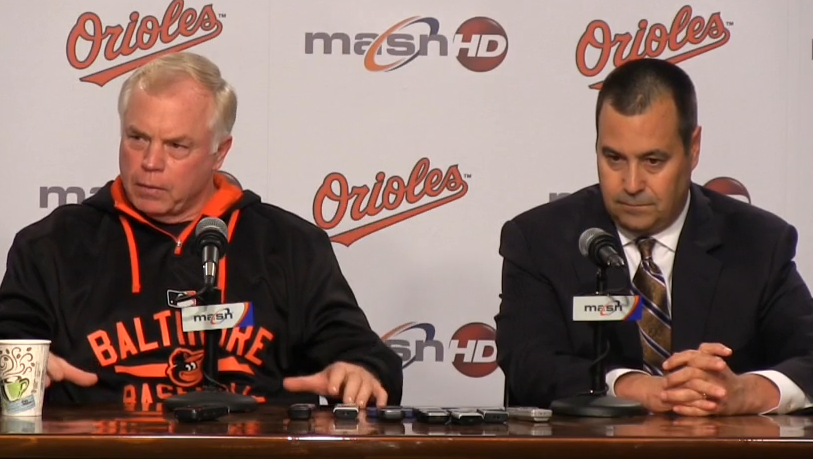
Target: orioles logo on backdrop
[
  {"x": 335, "y": 199},
  {"x": 687, "y": 37},
  {"x": 139, "y": 347},
  {"x": 90, "y": 38},
  {"x": 729, "y": 186}
]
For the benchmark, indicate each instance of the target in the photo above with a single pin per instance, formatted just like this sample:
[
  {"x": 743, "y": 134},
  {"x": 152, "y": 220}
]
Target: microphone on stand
[
  {"x": 210, "y": 316},
  {"x": 211, "y": 243},
  {"x": 599, "y": 247}
]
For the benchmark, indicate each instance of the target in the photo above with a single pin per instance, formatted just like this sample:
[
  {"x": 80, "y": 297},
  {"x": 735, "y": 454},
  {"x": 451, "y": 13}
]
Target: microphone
[
  {"x": 597, "y": 309},
  {"x": 210, "y": 243},
  {"x": 597, "y": 245},
  {"x": 212, "y": 317}
]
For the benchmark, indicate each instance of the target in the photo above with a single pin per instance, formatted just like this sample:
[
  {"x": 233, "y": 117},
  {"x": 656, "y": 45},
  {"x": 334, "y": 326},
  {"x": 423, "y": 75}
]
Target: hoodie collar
[{"x": 225, "y": 197}]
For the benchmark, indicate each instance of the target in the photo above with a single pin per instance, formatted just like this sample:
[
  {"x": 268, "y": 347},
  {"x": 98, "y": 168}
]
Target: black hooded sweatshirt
[{"x": 98, "y": 278}]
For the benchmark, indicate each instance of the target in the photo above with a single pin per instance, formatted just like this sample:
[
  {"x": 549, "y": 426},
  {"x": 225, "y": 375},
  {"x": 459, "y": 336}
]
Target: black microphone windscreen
[{"x": 587, "y": 237}]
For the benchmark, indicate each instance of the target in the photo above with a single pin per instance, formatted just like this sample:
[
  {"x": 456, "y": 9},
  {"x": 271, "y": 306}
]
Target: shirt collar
[{"x": 668, "y": 237}]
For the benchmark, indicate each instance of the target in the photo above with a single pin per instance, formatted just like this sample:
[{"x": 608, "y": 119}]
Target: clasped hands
[{"x": 700, "y": 383}]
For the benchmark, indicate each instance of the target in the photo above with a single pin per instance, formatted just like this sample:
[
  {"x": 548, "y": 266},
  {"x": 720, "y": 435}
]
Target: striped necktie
[{"x": 655, "y": 325}]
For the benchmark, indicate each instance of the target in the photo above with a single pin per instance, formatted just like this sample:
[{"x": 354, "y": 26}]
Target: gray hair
[{"x": 163, "y": 71}]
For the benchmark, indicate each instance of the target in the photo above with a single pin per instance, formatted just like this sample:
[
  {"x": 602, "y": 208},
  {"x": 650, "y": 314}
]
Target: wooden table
[{"x": 149, "y": 432}]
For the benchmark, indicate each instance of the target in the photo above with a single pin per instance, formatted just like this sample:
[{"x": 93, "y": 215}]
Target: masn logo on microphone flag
[
  {"x": 217, "y": 316},
  {"x": 214, "y": 318},
  {"x": 607, "y": 308}
]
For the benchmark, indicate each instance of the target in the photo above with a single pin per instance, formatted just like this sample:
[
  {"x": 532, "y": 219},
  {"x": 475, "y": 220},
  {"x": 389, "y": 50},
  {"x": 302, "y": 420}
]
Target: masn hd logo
[
  {"x": 472, "y": 349},
  {"x": 55, "y": 195},
  {"x": 63, "y": 195},
  {"x": 480, "y": 44}
]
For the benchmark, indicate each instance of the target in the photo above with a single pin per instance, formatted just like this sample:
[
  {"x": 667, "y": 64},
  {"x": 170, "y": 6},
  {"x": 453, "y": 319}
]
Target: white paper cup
[
  {"x": 23, "y": 366},
  {"x": 20, "y": 425}
]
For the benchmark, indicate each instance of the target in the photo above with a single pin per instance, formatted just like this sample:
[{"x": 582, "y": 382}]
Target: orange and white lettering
[
  {"x": 146, "y": 393},
  {"x": 142, "y": 344},
  {"x": 102, "y": 348},
  {"x": 126, "y": 344},
  {"x": 163, "y": 391},
  {"x": 387, "y": 194},
  {"x": 162, "y": 317},
  {"x": 263, "y": 336},
  {"x": 239, "y": 336},
  {"x": 178, "y": 328},
  {"x": 129, "y": 394},
  {"x": 141, "y": 33},
  {"x": 649, "y": 41}
]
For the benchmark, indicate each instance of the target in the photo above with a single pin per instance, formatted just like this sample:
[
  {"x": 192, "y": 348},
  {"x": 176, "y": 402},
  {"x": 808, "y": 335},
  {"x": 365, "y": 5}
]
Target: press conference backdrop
[{"x": 412, "y": 130}]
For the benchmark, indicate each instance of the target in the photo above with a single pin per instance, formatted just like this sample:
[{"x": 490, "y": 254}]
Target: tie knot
[{"x": 645, "y": 245}]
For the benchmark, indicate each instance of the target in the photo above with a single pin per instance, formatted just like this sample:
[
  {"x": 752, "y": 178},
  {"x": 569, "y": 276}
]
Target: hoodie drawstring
[
  {"x": 135, "y": 272},
  {"x": 131, "y": 246},
  {"x": 226, "y": 195}
]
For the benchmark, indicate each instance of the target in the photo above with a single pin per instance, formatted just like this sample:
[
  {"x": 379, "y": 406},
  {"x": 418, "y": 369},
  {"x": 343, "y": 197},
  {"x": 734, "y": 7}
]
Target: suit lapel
[{"x": 694, "y": 274}]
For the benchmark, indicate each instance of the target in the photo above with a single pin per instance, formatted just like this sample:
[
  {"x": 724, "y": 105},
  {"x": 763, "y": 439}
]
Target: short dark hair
[{"x": 632, "y": 87}]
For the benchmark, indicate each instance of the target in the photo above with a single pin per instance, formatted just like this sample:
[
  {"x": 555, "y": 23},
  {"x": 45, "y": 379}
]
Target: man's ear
[
  {"x": 694, "y": 147},
  {"x": 222, "y": 150}
]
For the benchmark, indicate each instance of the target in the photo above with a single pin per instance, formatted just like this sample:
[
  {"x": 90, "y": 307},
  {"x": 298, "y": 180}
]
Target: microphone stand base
[
  {"x": 597, "y": 406},
  {"x": 237, "y": 403}
]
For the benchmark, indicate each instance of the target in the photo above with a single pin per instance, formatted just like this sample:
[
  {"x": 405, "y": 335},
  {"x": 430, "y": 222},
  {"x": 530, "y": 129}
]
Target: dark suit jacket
[{"x": 734, "y": 282}]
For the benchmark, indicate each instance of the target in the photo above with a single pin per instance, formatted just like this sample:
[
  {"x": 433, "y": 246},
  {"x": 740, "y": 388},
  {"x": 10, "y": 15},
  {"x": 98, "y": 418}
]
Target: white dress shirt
[{"x": 791, "y": 396}]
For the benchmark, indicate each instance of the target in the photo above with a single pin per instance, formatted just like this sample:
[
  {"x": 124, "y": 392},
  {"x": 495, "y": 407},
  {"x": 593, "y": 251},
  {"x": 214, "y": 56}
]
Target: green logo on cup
[{"x": 14, "y": 387}]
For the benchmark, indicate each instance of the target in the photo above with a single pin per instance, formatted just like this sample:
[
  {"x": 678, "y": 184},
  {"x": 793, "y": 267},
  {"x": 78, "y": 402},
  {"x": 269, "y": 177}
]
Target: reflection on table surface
[
  {"x": 271, "y": 420},
  {"x": 139, "y": 431}
]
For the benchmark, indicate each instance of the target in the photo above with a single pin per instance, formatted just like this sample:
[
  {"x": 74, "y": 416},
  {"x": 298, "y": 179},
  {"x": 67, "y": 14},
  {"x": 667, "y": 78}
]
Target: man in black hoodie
[{"x": 100, "y": 279}]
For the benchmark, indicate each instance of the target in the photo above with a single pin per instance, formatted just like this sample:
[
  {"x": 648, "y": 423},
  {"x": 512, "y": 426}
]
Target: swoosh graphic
[
  {"x": 350, "y": 236},
  {"x": 683, "y": 56},
  {"x": 103, "y": 77}
]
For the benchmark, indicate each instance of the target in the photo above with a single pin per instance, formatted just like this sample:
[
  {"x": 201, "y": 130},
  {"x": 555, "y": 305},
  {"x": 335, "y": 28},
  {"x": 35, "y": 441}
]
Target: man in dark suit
[{"x": 728, "y": 321}]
